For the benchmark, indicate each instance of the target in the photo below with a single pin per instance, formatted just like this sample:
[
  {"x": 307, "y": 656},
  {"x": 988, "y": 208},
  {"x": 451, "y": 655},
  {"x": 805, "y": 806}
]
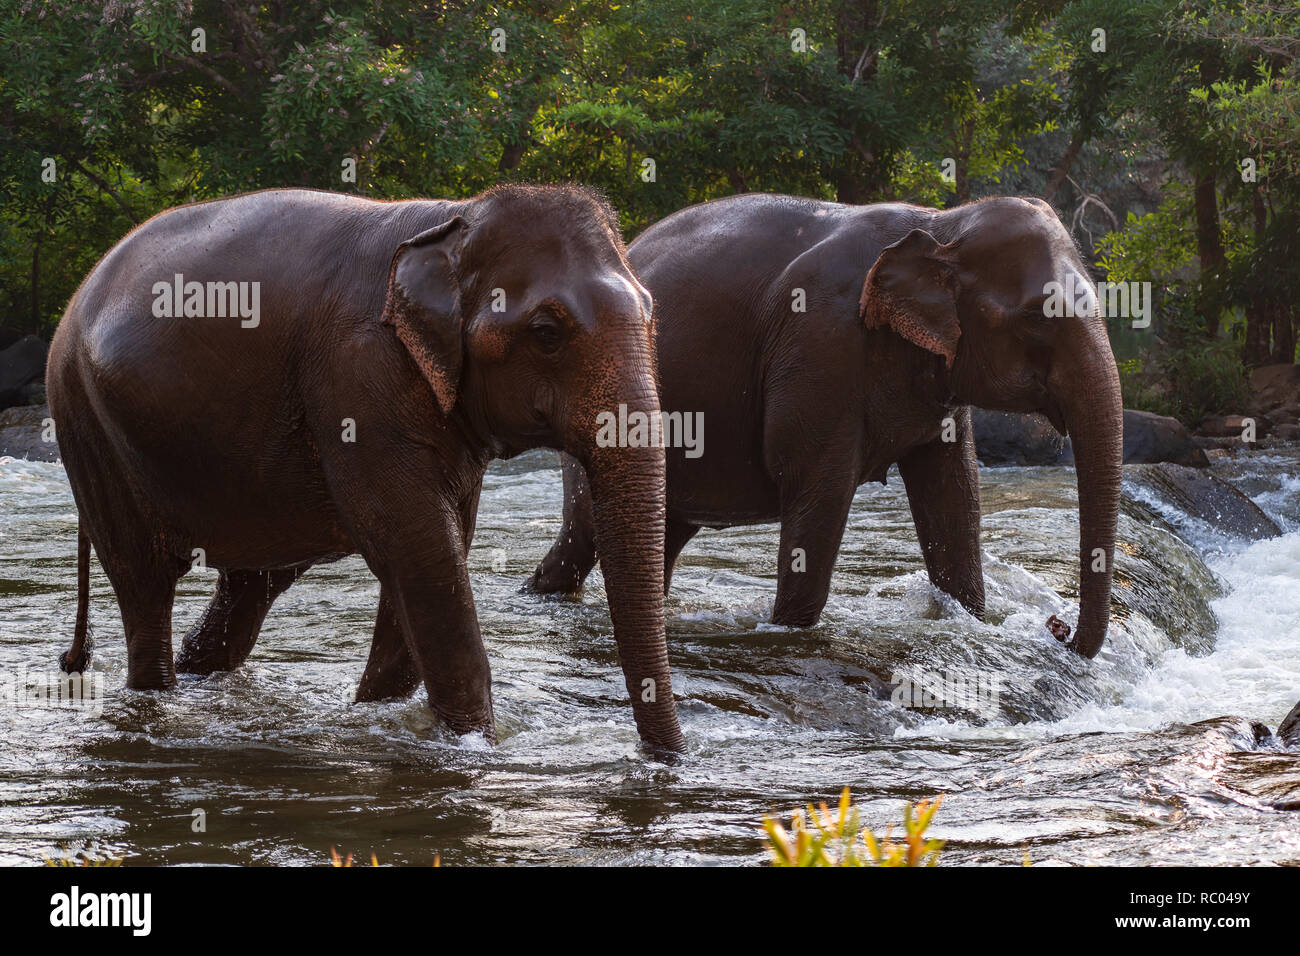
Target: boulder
[
  {"x": 1276, "y": 386},
  {"x": 33, "y": 393},
  {"x": 22, "y": 431},
  {"x": 1289, "y": 730},
  {"x": 21, "y": 363},
  {"x": 1204, "y": 495},
  {"x": 1234, "y": 426},
  {"x": 1013, "y": 438},
  {"x": 1150, "y": 439},
  {"x": 9, "y": 335}
]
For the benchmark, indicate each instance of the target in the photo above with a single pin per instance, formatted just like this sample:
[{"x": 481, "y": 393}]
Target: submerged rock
[
  {"x": 1204, "y": 495},
  {"x": 22, "y": 433},
  {"x": 1289, "y": 730}
]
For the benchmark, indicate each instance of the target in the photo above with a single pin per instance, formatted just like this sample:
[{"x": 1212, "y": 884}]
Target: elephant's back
[
  {"x": 712, "y": 269},
  {"x": 176, "y": 399},
  {"x": 227, "y": 293},
  {"x": 134, "y": 302}
]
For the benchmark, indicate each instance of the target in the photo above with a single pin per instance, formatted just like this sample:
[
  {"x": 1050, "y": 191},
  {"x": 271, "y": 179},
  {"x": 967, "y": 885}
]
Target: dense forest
[{"x": 1165, "y": 134}]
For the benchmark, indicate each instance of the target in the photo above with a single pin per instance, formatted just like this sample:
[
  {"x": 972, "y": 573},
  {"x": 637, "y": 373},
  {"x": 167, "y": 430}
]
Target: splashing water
[{"x": 1149, "y": 754}]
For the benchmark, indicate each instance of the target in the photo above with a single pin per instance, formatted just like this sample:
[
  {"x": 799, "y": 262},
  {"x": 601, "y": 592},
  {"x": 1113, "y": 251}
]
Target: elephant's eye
[
  {"x": 1036, "y": 307},
  {"x": 546, "y": 332}
]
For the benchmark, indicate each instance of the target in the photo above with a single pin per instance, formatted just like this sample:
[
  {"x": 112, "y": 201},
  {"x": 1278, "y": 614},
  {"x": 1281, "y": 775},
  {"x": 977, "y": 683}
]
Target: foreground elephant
[
  {"x": 910, "y": 316},
  {"x": 352, "y": 368}
]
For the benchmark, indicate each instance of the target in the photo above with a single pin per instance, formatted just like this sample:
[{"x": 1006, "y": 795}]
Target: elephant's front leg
[
  {"x": 435, "y": 611},
  {"x": 814, "y": 511},
  {"x": 390, "y": 671},
  {"x": 224, "y": 636},
  {"x": 943, "y": 487},
  {"x": 573, "y": 554}
]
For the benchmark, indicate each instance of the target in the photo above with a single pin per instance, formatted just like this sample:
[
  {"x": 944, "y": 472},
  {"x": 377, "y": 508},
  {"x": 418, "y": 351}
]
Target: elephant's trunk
[
  {"x": 628, "y": 499},
  {"x": 1085, "y": 385}
]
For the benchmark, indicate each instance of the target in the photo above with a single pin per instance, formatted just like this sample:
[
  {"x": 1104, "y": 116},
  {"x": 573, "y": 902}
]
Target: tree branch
[{"x": 103, "y": 184}]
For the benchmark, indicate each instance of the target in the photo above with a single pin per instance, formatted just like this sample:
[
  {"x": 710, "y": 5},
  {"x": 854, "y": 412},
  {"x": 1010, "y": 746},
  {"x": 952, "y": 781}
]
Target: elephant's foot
[
  {"x": 558, "y": 574},
  {"x": 224, "y": 636},
  {"x": 203, "y": 653},
  {"x": 155, "y": 674},
  {"x": 796, "y": 618},
  {"x": 460, "y": 723},
  {"x": 396, "y": 682}
]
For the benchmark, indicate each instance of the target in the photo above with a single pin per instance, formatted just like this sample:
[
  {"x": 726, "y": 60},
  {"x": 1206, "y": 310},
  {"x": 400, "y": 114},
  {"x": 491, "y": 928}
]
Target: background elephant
[
  {"x": 912, "y": 315},
  {"x": 397, "y": 348}
]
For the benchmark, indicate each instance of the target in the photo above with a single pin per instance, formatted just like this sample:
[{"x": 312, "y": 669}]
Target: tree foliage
[{"x": 143, "y": 104}]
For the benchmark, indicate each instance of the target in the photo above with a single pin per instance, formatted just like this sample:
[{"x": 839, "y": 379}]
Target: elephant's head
[
  {"x": 974, "y": 286},
  {"x": 526, "y": 319}
]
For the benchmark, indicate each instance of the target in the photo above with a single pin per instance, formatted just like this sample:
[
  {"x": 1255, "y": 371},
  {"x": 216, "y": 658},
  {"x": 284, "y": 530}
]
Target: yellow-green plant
[
  {"x": 86, "y": 856},
  {"x": 819, "y": 837},
  {"x": 336, "y": 860}
]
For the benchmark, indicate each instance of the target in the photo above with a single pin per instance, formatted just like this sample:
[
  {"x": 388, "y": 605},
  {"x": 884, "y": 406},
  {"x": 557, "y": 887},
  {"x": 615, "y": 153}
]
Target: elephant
[
  {"x": 290, "y": 376},
  {"x": 822, "y": 343}
]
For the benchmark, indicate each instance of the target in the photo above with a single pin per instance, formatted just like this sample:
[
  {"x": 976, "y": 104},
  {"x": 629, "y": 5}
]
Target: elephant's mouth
[{"x": 1052, "y": 410}]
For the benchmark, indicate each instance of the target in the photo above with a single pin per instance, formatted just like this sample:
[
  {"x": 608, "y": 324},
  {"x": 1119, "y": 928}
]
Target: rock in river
[
  {"x": 1289, "y": 730},
  {"x": 1013, "y": 438},
  {"x": 22, "y": 433},
  {"x": 1204, "y": 495},
  {"x": 21, "y": 363}
]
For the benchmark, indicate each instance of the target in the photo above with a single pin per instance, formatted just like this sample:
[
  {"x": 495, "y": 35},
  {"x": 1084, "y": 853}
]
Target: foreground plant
[
  {"x": 337, "y": 860},
  {"x": 86, "y": 856},
  {"x": 818, "y": 837}
]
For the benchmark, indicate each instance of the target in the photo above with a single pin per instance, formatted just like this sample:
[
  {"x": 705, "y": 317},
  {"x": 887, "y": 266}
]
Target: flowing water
[{"x": 1149, "y": 754}]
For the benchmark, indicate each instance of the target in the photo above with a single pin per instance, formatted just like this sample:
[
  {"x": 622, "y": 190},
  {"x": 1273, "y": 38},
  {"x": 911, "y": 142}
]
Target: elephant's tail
[{"x": 77, "y": 659}]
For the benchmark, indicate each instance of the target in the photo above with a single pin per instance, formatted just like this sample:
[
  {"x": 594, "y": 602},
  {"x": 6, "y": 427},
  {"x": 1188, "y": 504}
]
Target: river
[{"x": 1147, "y": 755}]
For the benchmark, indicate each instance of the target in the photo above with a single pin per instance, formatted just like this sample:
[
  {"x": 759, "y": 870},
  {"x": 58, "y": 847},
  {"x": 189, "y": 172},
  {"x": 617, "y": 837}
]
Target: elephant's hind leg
[
  {"x": 390, "y": 671},
  {"x": 573, "y": 555},
  {"x": 225, "y": 634},
  {"x": 146, "y": 604}
]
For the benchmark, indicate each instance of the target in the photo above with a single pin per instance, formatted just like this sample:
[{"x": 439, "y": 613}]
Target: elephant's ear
[
  {"x": 912, "y": 288},
  {"x": 423, "y": 305}
]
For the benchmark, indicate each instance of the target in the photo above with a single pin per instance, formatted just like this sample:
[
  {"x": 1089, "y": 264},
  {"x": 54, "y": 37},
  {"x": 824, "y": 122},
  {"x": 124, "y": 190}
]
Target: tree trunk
[
  {"x": 1260, "y": 308},
  {"x": 1209, "y": 245},
  {"x": 1284, "y": 335},
  {"x": 36, "y": 284},
  {"x": 1209, "y": 238}
]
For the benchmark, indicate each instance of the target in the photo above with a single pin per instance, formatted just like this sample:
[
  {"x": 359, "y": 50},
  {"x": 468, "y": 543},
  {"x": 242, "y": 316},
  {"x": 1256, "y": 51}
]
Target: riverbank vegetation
[{"x": 1165, "y": 132}]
